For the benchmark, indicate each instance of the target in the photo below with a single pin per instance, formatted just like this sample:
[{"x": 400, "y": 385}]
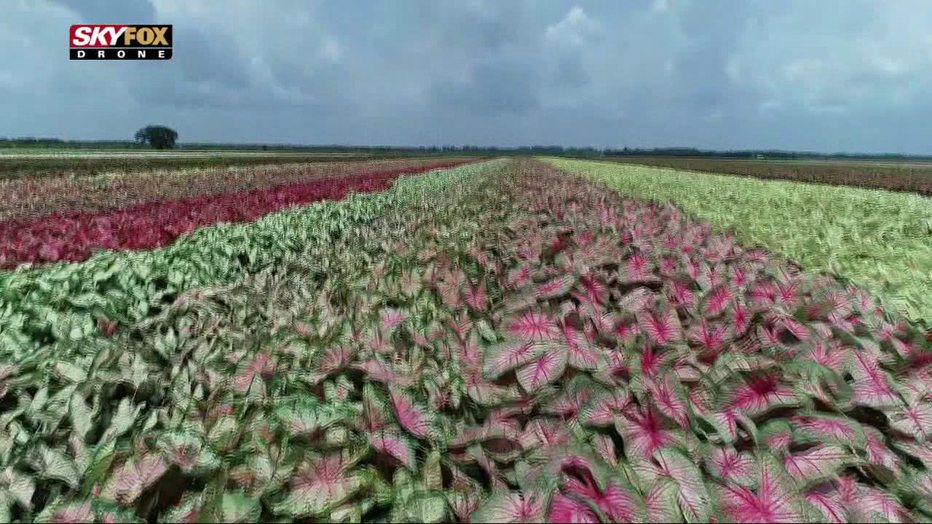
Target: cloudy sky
[{"x": 826, "y": 75}]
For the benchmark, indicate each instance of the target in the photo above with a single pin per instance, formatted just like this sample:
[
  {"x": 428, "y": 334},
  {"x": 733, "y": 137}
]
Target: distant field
[
  {"x": 29, "y": 163},
  {"x": 912, "y": 176}
]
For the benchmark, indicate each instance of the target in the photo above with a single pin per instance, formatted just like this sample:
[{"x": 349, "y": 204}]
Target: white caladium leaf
[
  {"x": 123, "y": 419},
  {"x": 19, "y": 485},
  {"x": 236, "y": 507},
  {"x": 82, "y": 416},
  {"x": 54, "y": 465},
  {"x": 188, "y": 451}
]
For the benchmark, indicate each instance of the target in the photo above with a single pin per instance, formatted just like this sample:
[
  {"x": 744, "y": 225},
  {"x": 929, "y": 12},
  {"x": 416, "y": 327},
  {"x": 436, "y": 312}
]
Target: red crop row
[{"x": 74, "y": 236}]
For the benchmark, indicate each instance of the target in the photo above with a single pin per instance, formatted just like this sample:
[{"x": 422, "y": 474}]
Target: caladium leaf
[
  {"x": 691, "y": 495},
  {"x": 305, "y": 416},
  {"x": 545, "y": 370},
  {"x": 236, "y": 507},
  {"x": 427, "y": 507},
  {"x": 732, "y": 466},
  {"x": 663, "y": 327},
  {"x": 67, "y": 512},
  {"x": 616, "y": 503},
  {"x": 504, "y": 507},
  {"x": 188, "y": 451},
  {"x": 915, "y": 420},
  {"x": 827, "y": 505},
  {"x": 412, "y": 416},
  {"x": 533, "y": 327},
  {"x": 643, "y": 434},
  {"x": 55, "y": 465},
  {"x": 773, "y": 500},
  {"x": 395, "y": 445},
  {"x": 582, "y": 354},
  {"x": 660, "y": 501},
  {"x": 761, "y": 393},
  {"x": 871, "y": 386},
  {"x": 822, "y": 428},
  {"x": 319, "y": 485},
  {"x": 133, "y": 477},
  {"x": 506, "y": 356},
  {"x": 20, "y": 486},
  {"x": 124, "y": 418},
  {"x": 818, "y": 463},
  {"x": 670, "y": 399},
  {"x": 566, "y": 509}
]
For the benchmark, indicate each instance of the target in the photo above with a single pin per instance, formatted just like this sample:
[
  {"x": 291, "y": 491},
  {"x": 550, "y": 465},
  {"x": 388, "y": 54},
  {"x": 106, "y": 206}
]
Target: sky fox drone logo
[{"x": 121, "y": 42}]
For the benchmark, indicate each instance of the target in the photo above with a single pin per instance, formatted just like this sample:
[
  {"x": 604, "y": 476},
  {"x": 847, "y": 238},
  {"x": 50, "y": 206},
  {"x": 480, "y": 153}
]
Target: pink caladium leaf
[
  {"x": 871, "y": 386},
  {"x": 391, "y": 318},
  {"x": 533, "y": 327},
  {"x": 133, "y": 477},
  {"x": 395, "y": 445},
  {"x": 545, "y": 370},
  {"x": 915, "y": 420},
  {"x": 317, "y": 486},
  {"x": 660, "y": 501},
  {"x": 878, "y": 452},
  {"x": 709, "y": 337},
  {"x": 821, "y": 462},
  {"x": 777, "y": 436},
  {"x": 605, "y": 447},
  {"x": 643, "y": 433},
  {"x": 663, "y": 327},
  {"x": 555, "y": 288},
  {"x": 692, "y": 494},
  {"x": 822, "y": 428},
  {"x": 566, "y": 509},
  {"x": 509, "y": 355},
  {"x": 616, "y": 503},
  {"x": 716, "y": 301},
  {"x": 761, "y": 393},
  {"x": 874, "y": 505},
  {"x": 773, "y": 501},
  {"x": 72, "y": 512},
  {"x": 733, "y": 467},
  {"x": 670, "y": 400},
  {"x": 476, "y": 297},
  {"x": 412, "y": 416},
  {"x": 582, "y": 354},
  {"x": 828, "y": 505},
  {"x": 508, "y": 507}
]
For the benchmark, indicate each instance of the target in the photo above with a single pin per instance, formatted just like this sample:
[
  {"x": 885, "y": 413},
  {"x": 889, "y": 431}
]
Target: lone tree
[{"x": 159, "y": 137}]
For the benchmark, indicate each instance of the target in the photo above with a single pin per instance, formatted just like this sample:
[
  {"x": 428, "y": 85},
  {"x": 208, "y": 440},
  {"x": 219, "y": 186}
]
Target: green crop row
[
  {"x": 59, "y": 307},
  {"x": 878, "y": 239}
]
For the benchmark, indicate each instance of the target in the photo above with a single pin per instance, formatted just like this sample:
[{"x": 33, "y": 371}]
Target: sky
[{"x": 826, "y": 75}]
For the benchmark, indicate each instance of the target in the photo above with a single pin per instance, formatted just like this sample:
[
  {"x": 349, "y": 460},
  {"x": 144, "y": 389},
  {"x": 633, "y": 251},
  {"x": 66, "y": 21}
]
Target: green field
[{"x": 880, "y": 240}]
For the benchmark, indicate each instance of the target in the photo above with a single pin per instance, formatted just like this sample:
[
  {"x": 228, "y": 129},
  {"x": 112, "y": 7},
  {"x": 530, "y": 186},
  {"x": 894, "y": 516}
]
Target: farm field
[
  {"x": 76, "y": 235},
  {"x": 493, "y": 342},
  {"x": 908, "y": 176},
  {"x": 499, "y": 341},
  {"x": 33, "y": 163},
  {"x": 879, "y": 240}
]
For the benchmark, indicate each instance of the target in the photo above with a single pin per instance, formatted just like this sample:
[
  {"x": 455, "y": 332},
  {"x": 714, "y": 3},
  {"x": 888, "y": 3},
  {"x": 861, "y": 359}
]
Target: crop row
[
  {"x": 57, "y": 308},
  {"x": 489, "y": 346},
  {"x": 75, "y": 236},
  {"x": 878, "y": 239},
  {"x": 892, "y": 176},
  {"x": 33, "y": 198}
]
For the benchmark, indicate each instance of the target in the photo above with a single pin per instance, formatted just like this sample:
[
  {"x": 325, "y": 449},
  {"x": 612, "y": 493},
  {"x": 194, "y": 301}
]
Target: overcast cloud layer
[{"x": 826, "y": 75}]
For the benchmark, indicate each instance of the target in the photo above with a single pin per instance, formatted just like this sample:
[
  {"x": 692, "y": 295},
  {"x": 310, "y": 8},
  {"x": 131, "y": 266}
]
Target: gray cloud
[{"x": 831, "y": 75}]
